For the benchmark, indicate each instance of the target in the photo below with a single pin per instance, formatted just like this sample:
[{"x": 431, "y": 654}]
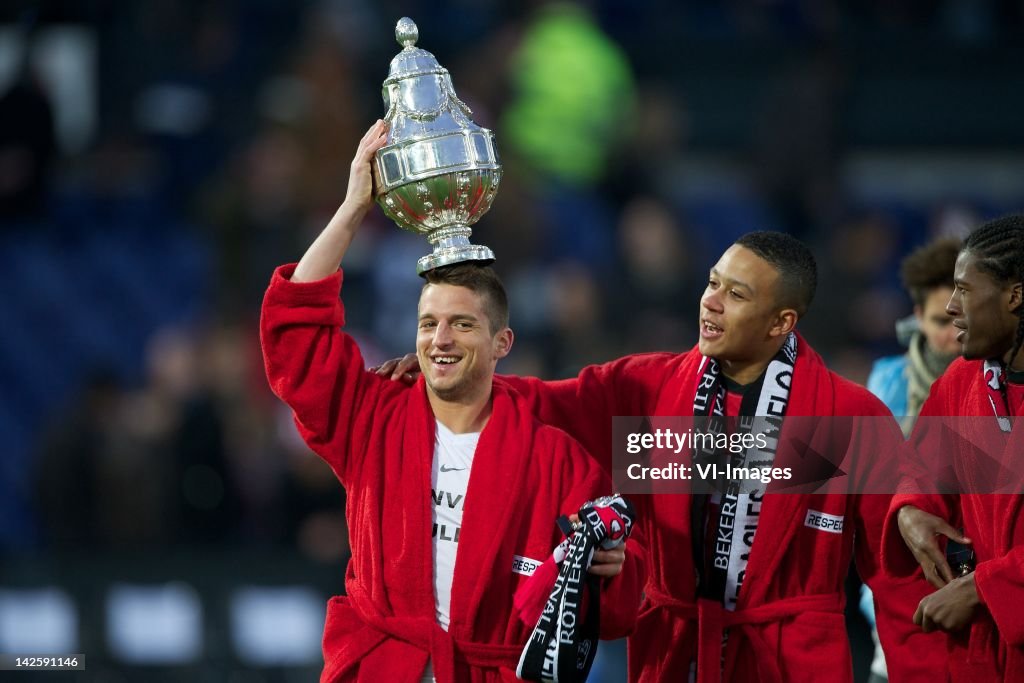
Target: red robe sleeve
[
  {"x": 912, "y": 490},
  {"x": 317, "y": 369},
  {"x": 1000, "y": 584},
  {"x": 622, "y": 595},
  {"x": 584, "y": 405}
]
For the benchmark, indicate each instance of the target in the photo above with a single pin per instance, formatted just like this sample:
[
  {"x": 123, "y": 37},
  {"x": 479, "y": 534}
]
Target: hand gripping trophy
[{"x": 438, "y": 172}]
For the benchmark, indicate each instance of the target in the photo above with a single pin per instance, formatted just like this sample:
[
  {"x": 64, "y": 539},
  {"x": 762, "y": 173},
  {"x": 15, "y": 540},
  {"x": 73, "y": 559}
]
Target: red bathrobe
[
  {"x": 992, "y": 649},
  {"x": 789, "y": 623},
  {"x": 378, "y": 437}
]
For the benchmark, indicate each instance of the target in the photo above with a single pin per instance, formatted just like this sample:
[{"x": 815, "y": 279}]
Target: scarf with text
[
  {"x": 761, "y": 411},
  {"x": 563, "y": 644}
]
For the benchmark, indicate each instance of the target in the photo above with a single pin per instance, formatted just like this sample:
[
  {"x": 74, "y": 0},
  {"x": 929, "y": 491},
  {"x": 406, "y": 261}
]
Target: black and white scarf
[
  {"x": 761, "y": 412},
  {"x": 563, "y": 644}
]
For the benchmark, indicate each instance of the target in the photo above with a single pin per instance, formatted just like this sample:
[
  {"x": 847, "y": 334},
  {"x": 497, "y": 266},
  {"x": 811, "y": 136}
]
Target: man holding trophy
[{"x": 453, "y": 486}]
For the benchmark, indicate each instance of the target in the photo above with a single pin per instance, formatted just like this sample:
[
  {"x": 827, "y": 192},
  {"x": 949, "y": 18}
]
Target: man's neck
[
  {"x": 747, "y": 371},
  {"x": 743, "y": 373},
  {"x": 1015, "y": 364},
  {"x": 735, "y": 387},
  {"x": 461, "y": 417}
]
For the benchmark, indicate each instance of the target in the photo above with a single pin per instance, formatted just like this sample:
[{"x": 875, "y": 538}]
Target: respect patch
[
  {"x": 821, "y": 521},
  {"x": 524, "y": 565}
]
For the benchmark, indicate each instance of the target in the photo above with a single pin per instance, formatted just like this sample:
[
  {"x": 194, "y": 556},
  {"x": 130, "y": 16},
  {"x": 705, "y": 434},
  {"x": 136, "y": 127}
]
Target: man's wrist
[
  {"x": 970, "y": 588},
  {"x": 346, "y": 220},
  {"x": 355, "y": 209}
]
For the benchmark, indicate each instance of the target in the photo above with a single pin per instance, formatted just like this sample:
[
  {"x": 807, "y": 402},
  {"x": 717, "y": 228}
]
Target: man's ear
[
  {"x": 785, "y": 322},
  {"x": 503, "y": 342},
  {"x": 1016, "y": 296}
]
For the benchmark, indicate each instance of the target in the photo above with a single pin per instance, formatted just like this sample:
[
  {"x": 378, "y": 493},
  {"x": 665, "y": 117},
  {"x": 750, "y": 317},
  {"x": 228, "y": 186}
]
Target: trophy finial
[{"x": 406, "y": 32}]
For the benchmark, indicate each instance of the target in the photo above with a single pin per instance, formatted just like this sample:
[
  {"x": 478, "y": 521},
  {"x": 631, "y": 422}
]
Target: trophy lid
[{"x": 411, "y": 61}]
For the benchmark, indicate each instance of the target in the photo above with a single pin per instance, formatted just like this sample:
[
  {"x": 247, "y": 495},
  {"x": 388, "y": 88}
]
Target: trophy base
[{"x": 452, "y": 255}]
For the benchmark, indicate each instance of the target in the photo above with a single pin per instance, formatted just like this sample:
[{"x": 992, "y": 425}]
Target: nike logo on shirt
[{"x": 445, "y": 468}]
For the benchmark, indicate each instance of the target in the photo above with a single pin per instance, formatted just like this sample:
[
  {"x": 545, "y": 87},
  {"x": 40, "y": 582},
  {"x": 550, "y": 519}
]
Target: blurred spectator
[
  {"x": 144, "y": 497},
  {"x": 656, "y": 274},
  {"x": 573, "y": 96},
  {"x": 579, "y": 333},
  {"x": 65, "y": 471},
  {"x": 857, "y": 304},
  {"x": 570, "y": 110},
  {"x": 27, "y": 149},
  {"x": 797, "y": 143},
  {"x": 657, "y": 146},
  {"x": 257, "y": 214},
  {"x": 903, "y": 382},
  {"x": 312, "y": 501}
]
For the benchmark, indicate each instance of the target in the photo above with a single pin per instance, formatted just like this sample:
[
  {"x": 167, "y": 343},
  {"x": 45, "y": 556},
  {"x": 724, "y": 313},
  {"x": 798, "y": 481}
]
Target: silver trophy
[{"x": 438, "y": 172}]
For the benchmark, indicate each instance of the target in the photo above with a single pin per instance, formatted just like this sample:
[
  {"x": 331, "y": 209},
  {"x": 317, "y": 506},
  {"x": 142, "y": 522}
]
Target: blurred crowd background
[{"x": 159, "y": 158}]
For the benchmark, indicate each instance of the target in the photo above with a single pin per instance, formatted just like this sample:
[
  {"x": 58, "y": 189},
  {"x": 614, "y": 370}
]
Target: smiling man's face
[{"x": 456, "y": 348}]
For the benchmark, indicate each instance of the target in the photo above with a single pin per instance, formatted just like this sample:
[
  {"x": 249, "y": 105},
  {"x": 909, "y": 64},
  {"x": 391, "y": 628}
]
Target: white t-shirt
[{"x": 449, "y": 479}]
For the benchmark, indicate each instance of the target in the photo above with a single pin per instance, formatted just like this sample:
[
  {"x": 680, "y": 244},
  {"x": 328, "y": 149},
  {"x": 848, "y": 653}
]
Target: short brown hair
[
  {"x": 481, "y": 280},
  {"x": 930, "y": 267}
]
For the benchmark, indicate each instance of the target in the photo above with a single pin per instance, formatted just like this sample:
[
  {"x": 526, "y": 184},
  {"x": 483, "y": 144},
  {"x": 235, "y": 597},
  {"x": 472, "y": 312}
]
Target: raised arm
[
  {"x": 311, "y": 364},
  {"x": 325, "y": 255}
]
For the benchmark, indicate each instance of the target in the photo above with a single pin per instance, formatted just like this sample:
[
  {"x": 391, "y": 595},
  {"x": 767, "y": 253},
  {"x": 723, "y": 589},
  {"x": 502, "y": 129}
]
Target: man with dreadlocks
[{"x": 981, "y": 609}]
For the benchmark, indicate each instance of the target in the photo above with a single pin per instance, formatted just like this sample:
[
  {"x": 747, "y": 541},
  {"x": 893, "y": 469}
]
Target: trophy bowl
[{"x": 438, "y": 172}]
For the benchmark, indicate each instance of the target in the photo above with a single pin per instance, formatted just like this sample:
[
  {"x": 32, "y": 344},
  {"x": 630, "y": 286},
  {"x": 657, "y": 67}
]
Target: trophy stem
[
  {"x": 452, "y": 245},
  {"x": 451, "y": 236}
]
